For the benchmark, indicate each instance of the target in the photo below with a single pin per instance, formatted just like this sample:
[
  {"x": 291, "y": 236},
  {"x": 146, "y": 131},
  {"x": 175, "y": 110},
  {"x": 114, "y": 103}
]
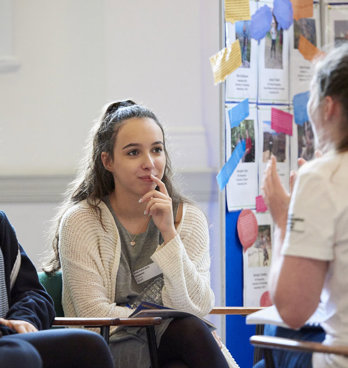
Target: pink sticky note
[
  {"x": 281, "y": 121},
  {"x": 265, "y": 300},
  {"x": 247, "y": 228},
  {"x": 260, "y": 204}
]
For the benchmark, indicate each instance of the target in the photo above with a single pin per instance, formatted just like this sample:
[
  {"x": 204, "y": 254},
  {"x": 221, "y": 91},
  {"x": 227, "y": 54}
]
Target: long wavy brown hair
[{"x": 93, "y": 181}]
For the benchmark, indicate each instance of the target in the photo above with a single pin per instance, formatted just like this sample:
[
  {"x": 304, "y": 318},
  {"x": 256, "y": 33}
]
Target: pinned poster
[
  {"x": 282, "y": 10},
  {"x": 281, "y": 121},
  {"x": 237, "y": 10},
  {"x": 336, "y": 24},
  {"x": 273, "y": 143},
  {"x": 302, "y": 8},
  {"x": 256, "y": 264},
  {"x": 300, "y": 68},
  {"x": 242, "y": 187},
  {"x": 225, "y": 62},
  {"x": 303, "y": 141},
  {"x": 273, "y": 58},
  {"x": 242, "y": 83}
]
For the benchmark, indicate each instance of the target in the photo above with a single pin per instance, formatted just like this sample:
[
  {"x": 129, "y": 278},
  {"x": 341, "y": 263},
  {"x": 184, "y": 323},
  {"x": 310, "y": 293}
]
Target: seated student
[
  {"x": 25, "y": 308},
  {"x": 125, "y": 235},
  {"x": 311, "y": 238}
]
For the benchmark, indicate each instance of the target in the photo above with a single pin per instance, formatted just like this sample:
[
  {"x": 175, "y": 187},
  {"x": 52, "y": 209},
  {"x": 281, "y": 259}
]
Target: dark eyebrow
[{"x": 137, "y": 144}]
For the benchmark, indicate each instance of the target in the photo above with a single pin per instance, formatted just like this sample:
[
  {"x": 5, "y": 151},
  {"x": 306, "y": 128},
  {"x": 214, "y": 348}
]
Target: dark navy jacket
[{"x": 27, "y": 298}]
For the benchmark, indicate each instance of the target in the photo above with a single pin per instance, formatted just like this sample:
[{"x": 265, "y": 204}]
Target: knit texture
[
  {"x": 3, "y": 291},
  {"x": 90, "y": 256}
]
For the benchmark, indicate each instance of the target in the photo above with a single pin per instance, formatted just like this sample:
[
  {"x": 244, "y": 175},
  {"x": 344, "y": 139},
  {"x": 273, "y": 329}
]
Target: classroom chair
[
  {"x": 53, "y": 285},
  {"x": 268, "y": 343}
]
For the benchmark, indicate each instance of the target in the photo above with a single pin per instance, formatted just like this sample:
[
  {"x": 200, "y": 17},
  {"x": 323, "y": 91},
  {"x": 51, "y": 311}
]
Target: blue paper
[
  {"x": 282, "y": 10},
  {"x": 261, "y": 23},
  {"x": 227, "y": 170},
  {"x": 300, "y": 102},
  {"x": 238, "y": 113}
]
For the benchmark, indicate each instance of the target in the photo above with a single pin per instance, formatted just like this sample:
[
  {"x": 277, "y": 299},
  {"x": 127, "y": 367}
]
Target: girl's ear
[
  {"x": 330, "y": 107},
  {"x": 105, "y": 158},
  {"x": 333, "y": 111}
]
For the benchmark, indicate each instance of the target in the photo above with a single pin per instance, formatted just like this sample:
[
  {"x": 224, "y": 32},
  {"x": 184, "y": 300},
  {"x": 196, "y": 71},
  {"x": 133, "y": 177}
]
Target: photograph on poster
[
  {"x": 256, "y": 264},
  {"x": 341, "y": 31},
  {"x": 273, "y": 62},
  {"x": 242, "y": 83},
  {"x": 242, "y": 187},
  {"x": 300, "y": 68},
  {"x": 336, "y": 24},
  {"x": 243, "y": 35},
  {"x": 273, "y": 143},
  {"x": 274, "y": 47},
  {"x": 306, "y": 28},
  {"x": 305, "y": 141},
  {"x": 245, "y": 132},
  {"x": 260, "y": 253}
]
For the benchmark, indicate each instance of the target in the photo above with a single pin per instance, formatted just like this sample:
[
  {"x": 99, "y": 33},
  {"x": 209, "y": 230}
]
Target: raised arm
[{"x": 185, "y": 263}]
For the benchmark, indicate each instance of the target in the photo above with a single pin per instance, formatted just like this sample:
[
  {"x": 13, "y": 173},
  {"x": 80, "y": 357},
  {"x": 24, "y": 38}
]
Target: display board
[{"x": 265, "y": 114}]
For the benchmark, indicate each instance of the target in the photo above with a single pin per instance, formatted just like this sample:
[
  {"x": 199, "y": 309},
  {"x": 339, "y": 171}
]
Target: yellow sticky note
[
  {"x": 237, "y": 10},
  {"x": 226, "y": 61},
  {"x": 302, "y": 9},
  {"x": 307, "y": 49}
]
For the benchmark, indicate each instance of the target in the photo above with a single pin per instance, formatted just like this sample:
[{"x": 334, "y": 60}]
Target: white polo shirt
[{"x": 318, "y": 229}]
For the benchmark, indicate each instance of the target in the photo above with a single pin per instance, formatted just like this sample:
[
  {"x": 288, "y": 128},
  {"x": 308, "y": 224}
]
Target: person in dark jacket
[{"x": 26, "y": 310}]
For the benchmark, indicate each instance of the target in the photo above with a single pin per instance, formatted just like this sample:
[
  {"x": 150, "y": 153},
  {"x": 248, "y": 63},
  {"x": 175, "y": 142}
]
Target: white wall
[{"x": 77, "y": 55}]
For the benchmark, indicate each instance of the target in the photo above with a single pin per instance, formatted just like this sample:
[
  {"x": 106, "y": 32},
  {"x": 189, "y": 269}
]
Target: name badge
[{"x": 146, "y": 273}]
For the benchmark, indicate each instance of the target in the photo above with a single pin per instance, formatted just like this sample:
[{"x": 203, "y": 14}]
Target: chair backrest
[{"x": 53, "y": 285}]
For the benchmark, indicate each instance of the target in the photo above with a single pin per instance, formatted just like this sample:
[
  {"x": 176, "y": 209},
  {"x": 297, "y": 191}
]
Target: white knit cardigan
[{"x": 90, "y": 257}]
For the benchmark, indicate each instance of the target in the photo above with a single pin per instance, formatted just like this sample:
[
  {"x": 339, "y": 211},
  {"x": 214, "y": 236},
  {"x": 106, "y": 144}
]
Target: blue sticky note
[
  {"x": 282, "y": 10},
  {"x": 300, "y": 102},
  {"x": 238, "y": 113},
  {"x": 261, "y": 23},
  {"x": 227, "y": 170}
]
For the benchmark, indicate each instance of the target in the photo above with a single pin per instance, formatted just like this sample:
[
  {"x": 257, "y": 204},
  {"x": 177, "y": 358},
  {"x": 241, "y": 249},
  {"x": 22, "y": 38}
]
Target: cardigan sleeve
[
  {"x": 88, "y": 258},
  {"x": 185, "y": 263}
]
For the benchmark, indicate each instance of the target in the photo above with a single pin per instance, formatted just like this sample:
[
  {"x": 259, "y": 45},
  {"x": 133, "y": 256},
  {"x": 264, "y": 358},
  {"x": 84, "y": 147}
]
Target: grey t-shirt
[{"x": 133, "y": 258}]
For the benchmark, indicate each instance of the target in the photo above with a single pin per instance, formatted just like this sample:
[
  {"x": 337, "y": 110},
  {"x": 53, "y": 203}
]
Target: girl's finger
[
  {"x": 153, "y": 201},
  {"x": 152, "y": 194},
  {"x": 160, "y": 184},
  {"x": 3, "y": 322},
  {"x": 301, "y": 162},
  {"x": 157, "y": 207}
]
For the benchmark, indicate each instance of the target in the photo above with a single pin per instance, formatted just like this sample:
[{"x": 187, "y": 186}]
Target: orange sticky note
[
  {"x": 237, "y": 10},
  {"x": 307, "y": 49},
  {"x": 302, "y": 9},
  {"x": 226, "y": 61}
]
